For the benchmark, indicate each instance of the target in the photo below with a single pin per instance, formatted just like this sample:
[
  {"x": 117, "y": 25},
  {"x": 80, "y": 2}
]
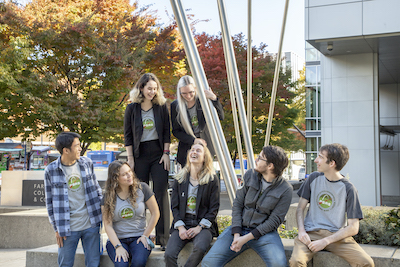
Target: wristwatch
[
  {"x": 202, "y": 227},
  {"x": 118, "y": 245}
]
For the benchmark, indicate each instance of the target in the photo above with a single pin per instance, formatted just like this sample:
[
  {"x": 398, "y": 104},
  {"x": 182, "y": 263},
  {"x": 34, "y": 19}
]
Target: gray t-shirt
[
  {"x": 79, "y": 215},
  {"x": 330, "y": 201},
  {"x": 194, "y": 121},
  {"x": 192, "y": 199},
  {"x": 149, "y": 126},
  {"x": 130, "y": 221}
]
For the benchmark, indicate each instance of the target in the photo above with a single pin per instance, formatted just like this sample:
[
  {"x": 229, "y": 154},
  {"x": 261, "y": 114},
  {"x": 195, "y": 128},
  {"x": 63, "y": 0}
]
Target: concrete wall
[
  {"x": 389, "y": 111},
  {"x": 346, "y": 18},
  {"x": 11, "y": 190},
  {"x": 350, "y": 115}
]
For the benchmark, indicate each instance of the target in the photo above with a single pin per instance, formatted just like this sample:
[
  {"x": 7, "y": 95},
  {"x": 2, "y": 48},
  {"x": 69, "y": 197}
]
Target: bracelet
[
  {"x": 166, "y": 152},
  {"x": 118, "y": 245}
]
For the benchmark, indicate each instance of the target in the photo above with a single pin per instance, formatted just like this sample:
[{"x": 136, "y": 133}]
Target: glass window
[
  {"x": 311, "y": 125},
  {"x": 311, "y": 75},
  {"x": 311, "y": 166},
  {"x": 311, "y": 144},
  {"x": 311, "y": 102}
]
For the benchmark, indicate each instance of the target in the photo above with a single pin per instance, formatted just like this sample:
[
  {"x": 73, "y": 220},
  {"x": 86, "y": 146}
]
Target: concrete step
[{"x": 383, "y": 257}]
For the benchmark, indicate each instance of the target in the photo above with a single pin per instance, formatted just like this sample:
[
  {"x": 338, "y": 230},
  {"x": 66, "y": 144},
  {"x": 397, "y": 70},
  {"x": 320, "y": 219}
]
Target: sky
[{"x": 267, "y": 16}]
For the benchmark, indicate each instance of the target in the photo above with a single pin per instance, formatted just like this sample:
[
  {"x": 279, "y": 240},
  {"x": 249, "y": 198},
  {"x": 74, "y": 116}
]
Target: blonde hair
[
  {"x": 181, "y": 108},
  {"x": 206, "y": 173},
  {"x": 136, "y": 94},
  {"x": 110, "y": 196}
]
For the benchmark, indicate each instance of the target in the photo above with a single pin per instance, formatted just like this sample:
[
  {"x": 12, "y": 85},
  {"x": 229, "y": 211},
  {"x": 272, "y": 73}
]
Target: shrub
[
  {"x": 223, "y": 222},
  {"x": 392, "y": 222},
  {"x": 288, "y": 234},
  {"x": 373, "y": 229}
]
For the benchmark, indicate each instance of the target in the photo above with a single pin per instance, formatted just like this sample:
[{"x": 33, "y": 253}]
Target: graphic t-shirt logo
[
  {"x": 127, "y": 213},
  {"x": 191, "y": 203},
  {"x": 74, "y": 182},
  {"x": 325, "y": 201},
  {"x": 195, "y": 121},
  {"x": 148, "y": 124}
]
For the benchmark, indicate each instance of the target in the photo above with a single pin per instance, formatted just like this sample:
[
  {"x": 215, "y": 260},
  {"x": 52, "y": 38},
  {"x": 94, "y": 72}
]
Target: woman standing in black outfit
[
  {"x": 147, "y": 140},
  {"x": 188, "y": 122}
]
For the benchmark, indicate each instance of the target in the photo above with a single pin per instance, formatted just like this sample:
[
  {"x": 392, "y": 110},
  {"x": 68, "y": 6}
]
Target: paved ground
[{"x": 17, "y": 257}]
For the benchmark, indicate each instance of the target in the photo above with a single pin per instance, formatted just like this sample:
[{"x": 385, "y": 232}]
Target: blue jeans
[
  {"x": 138, "y": 254},
  {"x": 269, "y": 247},
  {"x": 90, "y": 239}
]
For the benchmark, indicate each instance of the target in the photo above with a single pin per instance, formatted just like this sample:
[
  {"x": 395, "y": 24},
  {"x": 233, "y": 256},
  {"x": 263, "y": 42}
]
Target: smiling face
[
  {"x": 196, "y": 154},
  {"x": 188, "y": 92},
  {"x": 149, "y": 91},
  {"x": 322, "y": 162},
  {"x": 72, "y": 154},
  {"x": 125, "y": 177}
]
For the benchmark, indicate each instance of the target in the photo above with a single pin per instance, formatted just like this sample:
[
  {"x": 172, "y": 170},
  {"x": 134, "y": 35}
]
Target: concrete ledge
[
  {"x": 26, "y": 229},
  {"x": 383, "y": 256}
]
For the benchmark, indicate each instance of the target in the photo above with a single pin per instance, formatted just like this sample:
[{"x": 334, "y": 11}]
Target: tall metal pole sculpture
[
  {"x": 249, "y": 70},
  {"x": 211, "y": 116},
  {"x": 276, "y": 78},
  {"x": 232, "y": 68}
]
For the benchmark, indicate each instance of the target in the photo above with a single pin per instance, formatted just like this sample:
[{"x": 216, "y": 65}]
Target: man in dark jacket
[{"x": 258, "y": 210}]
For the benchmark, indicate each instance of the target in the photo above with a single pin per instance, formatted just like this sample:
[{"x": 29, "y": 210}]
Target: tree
[
  {"x": 77, "y": 64},
  {"x": 211, "y": 53}
]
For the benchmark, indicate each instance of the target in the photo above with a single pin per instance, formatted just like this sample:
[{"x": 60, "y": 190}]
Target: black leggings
[{"x": 147, "y": 163}]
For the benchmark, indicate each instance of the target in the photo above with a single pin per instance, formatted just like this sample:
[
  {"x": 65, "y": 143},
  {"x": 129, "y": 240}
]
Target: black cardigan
[
  {"x": 207, "y": 202},
  {"x": 133, "y": 126},
  {"x": 186, "y": 140}
]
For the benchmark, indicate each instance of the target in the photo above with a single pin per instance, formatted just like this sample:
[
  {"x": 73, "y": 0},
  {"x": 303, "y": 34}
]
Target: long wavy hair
[
  {"x": 206, "y": 173},
  {"x": 181, "y": 108},
  {"x": 112, "y": 187},
  {"x": 137, "y": 96}
]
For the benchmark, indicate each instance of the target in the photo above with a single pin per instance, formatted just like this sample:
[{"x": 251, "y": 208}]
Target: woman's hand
[
  {"x": 192, "y": 232},
  {"x": 143, "y": 239},
  {"x": 210, "y": 95},
  {"x": 165, "y": 159},
  {"x": 121, "y": 253},
  {"x": 131, "y": 162},
  {"x": 183, "y": 233}
]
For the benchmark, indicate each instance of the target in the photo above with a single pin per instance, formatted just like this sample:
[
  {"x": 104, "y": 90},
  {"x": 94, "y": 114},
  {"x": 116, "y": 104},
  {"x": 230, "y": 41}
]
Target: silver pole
[
  {"x": 231, "y": 55},
  {"x": 249, "y": 71},
  {"x": 276, "y": 78},
  {"x": 211, "y": 116}
]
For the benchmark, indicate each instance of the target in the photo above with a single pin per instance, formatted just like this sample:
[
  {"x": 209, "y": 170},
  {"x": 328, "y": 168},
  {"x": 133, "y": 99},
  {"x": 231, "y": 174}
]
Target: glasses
[
  {"x": 259, "y": 157},
  {"x": 188, "y": 93}
]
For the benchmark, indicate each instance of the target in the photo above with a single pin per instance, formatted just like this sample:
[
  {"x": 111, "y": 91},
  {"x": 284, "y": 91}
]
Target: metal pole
[
  {"x": 211, "y": 116},
  {"x": 249, "y": 71},
  {"x": 231, "y": 55},
  {"x": 276, "y": 78}
]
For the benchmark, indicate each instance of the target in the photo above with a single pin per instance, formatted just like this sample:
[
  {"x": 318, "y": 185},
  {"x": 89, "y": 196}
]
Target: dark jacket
[
  {"x": 186, "y": 140},
  {"x": 207, "y": 203},
  {"x": 133, "y": 126},
  {"x": 263, "y": 213}
]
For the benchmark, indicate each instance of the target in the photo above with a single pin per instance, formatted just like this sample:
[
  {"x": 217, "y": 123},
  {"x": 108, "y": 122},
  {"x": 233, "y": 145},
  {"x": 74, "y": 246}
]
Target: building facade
[{"x": 352, "y": 83}]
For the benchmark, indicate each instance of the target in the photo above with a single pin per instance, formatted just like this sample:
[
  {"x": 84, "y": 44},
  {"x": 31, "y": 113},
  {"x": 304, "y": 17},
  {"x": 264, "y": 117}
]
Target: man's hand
[
  {"x": 318, "y": 245},
  {"x": 304, "y": 238},
  {"x": 238, "y": 242},
  {"x": 60, "y": 240}
]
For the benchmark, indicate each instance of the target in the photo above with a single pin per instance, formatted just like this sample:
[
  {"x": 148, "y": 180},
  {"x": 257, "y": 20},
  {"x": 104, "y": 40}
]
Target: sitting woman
[
  {"x": 195, "y": 204},
  {"x": 124, "y": 216}
]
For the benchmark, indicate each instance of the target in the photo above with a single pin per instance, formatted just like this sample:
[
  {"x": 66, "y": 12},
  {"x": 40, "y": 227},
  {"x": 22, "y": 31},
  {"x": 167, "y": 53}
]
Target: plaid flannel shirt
[{"x": 56, "y": 190}]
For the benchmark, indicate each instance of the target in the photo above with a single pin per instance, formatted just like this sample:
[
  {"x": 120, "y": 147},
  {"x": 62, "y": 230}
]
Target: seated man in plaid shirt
[{"x": 73, "y": 198}]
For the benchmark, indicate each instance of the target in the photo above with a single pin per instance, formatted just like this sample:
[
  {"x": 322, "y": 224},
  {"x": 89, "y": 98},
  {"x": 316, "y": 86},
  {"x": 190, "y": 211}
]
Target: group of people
[{"x": 77, "y": 206}]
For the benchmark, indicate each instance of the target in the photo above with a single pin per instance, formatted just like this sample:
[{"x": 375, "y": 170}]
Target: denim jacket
[
  {"x": 56, "y": 191},
  {"x": 261, "y": 211}
]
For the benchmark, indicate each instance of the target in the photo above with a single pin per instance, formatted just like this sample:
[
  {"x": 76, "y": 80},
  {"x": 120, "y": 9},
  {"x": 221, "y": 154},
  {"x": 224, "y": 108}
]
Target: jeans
[
  {"x": 138, "y": 254},
  {"x": 269, "y": 247},
  {"x": 147, "y": 163},
  {"x": 90, "y": 239}
]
